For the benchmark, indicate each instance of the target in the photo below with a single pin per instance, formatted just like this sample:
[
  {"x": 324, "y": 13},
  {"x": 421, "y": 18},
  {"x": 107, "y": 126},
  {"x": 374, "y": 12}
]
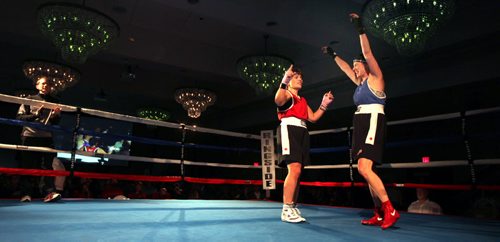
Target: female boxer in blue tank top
[{"x": 369, "y": 124}]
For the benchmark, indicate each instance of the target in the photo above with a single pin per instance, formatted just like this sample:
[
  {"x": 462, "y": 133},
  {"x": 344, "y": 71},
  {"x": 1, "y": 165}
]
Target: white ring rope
[
  {"x": 122, "y": 157},
  {"x": 418, "y": 120},
  {"x": 415, "y": 164},
  {"x": 212, "y": 164},
  {"x": 338, "y": 130},
  {"x": 90, "y": 154},
  {"x": 122, "y": 117},
  {"x": 219, "y": 165},
  {"x": 425, "y": 119},
  {"x": 20, "y": 100}
]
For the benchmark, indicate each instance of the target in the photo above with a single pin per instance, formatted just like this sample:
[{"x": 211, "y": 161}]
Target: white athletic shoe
[
  {"x": 291, "y": 215},
  {"x": 295, "y": 206}
]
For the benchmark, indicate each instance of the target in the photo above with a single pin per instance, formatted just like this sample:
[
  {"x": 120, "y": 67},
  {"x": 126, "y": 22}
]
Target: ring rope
[
  {"x": 93, "y": 175},
  {"x": 414, "y": 164},
  {"x": 126, "y": 137},
  {"x": 420, "y": 119},
  {"x": 121, "y": 157},
  {"x": 441, "y": 140},
  {"x": 171, "y": 161},
  {"x": 122, "y": 117},
  {"x": 67, "y": 108}
]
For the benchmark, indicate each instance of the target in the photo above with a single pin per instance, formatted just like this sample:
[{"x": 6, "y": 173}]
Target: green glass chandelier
[
  {"x": 153, "y": 114},
  {"x": 195, "y": 100},
  {"x": 77, "y": 30},
  {"x": 60, "y": 76},
  {"x": 406, "y": 24},
  {"x": 263, "y": 72}
]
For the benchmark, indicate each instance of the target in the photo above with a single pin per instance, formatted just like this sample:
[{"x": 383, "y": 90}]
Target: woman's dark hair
[
  {"x": 360, "y": 58},
  {"x": 297, "y": 70}
]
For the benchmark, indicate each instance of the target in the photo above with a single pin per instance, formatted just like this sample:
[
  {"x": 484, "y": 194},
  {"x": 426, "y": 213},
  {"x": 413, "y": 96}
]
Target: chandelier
[
  {"x": 59, "y": 76},
  {"x": 263, "y": 72},
  {"x": 77, "y": 30},
  {"x": 195, "y": 100},
  {"x": 406, "y": 24},
  {"x": 153, "y": 113}
]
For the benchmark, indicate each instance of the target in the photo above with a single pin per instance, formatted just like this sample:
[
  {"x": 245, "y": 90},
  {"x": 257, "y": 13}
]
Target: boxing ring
[
  {"x": 195, "y": 157},
  {"x": 219, "y": 220}
]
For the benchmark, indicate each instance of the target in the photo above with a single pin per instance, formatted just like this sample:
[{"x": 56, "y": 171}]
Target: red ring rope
[{"x": 94, "y": 175}]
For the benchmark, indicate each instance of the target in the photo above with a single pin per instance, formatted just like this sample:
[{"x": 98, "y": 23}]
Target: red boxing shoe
[
  {"x": 376, "y": 220},
  {"x": 391, "y": 216},
  {"x": 52, "y": 197}
]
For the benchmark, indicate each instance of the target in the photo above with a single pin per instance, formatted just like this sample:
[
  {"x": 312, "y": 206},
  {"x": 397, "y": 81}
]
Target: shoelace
[{"x": 296, "y": 211}]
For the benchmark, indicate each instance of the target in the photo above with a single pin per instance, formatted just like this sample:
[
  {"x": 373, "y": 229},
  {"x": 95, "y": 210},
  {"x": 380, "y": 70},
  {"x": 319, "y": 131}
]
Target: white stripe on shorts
[
  {"x": 373, "y": 110},
  {"x": 285, "y": 141},
  {"x": 372, "y": 131}
]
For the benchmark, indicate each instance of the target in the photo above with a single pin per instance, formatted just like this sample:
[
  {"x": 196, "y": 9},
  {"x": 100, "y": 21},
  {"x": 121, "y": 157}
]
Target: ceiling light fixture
[
  {"x": 153, "y": 113},
  {"x": 77, "y": 30},
  {"x": 60, "y": 76},
  {"x": 406, "y": 24},
  {"x": 263, "y": 72},
  {"x": 195, "y": 100}
]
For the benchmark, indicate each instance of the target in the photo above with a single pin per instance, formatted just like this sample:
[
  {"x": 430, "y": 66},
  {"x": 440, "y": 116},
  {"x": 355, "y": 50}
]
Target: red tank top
[{"x": 298, "y": 109}]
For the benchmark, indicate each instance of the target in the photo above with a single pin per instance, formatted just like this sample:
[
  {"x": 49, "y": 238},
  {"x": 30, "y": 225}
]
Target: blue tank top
[{"x": 363, "y": 95}]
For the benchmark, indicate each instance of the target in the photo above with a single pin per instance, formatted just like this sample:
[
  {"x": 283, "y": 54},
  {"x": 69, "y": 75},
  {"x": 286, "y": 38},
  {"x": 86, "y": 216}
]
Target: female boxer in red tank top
[{"x": 293, "y": 112}]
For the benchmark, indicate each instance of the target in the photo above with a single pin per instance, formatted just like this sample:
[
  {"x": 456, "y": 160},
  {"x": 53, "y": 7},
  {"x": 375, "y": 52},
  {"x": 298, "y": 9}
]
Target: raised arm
[
  {"x": 325, "y": 102},
  {"x": 282, "y": 95},
  {"x": 377, "y": 79},
  {"x": 341, "y": 63}
]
